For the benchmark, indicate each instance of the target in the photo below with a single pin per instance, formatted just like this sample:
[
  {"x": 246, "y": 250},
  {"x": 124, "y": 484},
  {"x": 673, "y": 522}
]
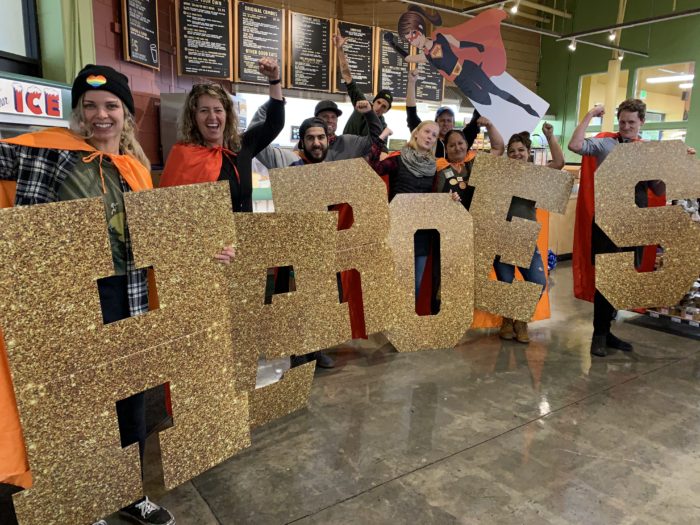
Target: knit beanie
[{"x": 104, "y": 78}]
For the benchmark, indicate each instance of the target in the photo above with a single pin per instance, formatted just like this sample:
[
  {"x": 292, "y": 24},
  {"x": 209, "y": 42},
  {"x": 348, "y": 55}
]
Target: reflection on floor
[{"x": 488, "y": 432}]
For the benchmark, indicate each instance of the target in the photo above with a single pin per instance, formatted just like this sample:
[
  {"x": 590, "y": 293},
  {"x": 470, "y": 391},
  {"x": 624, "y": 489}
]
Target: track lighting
[
  {"x": 611, "y": 36},
  {"x": 572, "y": 45}
]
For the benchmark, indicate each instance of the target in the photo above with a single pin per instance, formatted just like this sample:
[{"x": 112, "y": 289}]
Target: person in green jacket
[{"x": 357, "y": 124}]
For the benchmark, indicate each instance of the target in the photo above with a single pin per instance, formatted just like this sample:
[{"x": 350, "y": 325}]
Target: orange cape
[
  {"x": 484, "y": 29},
  {"x": 583, "y": 268},
  {"x": 192, "y": 164},
  {"x": 14, "y": 468}
]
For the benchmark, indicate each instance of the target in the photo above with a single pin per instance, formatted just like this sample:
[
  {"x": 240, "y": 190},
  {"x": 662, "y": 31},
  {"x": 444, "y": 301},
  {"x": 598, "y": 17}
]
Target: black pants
[
  {"x": 131, "y": 412},
  {"x": 602, "y": 314}
]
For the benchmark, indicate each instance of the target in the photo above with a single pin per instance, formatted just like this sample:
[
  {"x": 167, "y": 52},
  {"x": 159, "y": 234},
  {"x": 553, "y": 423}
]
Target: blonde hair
[
  {"x": 189, "y": 132},
  {"x": 412, "y": 142},
  {"x": 128, "y": 144}
]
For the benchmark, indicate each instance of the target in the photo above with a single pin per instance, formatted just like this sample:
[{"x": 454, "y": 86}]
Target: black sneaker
[
  {"x": 613, "y": 342},
  {"x": 598, "y": 346},
  {"x": 146, "y": 512}
]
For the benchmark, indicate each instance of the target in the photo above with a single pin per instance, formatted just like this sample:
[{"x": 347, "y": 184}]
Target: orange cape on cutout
[
  {"x": 192, "y": 164},
  {"x": 14, "y": 468},
  {"x": 583, "y": 268},
  {"x": 484, "y": 29}
]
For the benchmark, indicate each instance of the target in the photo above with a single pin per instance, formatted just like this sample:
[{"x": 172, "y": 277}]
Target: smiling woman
[{"x": 210, "y": 146}]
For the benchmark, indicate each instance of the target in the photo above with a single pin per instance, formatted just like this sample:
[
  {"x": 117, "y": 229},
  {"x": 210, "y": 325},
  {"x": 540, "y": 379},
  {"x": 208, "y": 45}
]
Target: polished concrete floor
[{"x": 489, "y": 432}]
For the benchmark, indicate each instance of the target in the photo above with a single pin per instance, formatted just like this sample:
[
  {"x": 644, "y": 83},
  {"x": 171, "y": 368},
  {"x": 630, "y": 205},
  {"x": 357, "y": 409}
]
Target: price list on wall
[
  {"x": 359, "y": 51},
  {"x": 204, "y": 34},
  {"x": 393, "y": 71},
  {"x": 141, "y": 32},
  {"x": 310, "y": 64},
  {"x": 260, "y": 35},
  {"x": 429, "y": 87}
]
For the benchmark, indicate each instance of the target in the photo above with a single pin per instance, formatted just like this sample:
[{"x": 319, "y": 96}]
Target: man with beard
[
  {"x": 340, "y": 147},
  {"x": 314, "y": 147}
]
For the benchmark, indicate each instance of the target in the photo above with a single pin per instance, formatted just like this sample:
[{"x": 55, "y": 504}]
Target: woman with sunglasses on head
[
  {"x": 520, "y": 148},
  {"x": 211, "y": 147}
]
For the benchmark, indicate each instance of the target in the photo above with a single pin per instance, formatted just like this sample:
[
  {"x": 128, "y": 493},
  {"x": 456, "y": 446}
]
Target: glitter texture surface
[
  {"x": 497, "y": 180},
  {"x": 69, "y": 368},
  {"x": 628, "y": 225},
  {"x": 299, "y": 322},
  {"x": 416, "y": 211},
  {"x": 289, "y": 394}
]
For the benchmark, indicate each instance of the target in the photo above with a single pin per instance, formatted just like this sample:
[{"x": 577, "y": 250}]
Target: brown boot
[
  {"x": 520, "y": 328},
  {"x": 506, "y": 331}
]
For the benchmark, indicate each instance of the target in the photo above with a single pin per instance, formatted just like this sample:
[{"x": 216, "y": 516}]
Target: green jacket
[{"x": 357, "y": 124}]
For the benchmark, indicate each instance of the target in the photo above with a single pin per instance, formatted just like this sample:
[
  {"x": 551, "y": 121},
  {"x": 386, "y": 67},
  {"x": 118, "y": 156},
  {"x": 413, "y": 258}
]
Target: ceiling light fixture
[
  {"x": 685, "y": 85},
  {"x": 620, "y": 55},
  {"x": 671, "y": 78},
  {"x": 514, "y": 9},
  {"x": 611, "y": 36},
  {"x": 572, "y": 45}
]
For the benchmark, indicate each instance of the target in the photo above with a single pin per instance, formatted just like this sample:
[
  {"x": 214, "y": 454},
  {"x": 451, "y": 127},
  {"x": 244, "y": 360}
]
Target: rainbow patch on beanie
[{"x": 96, "y": 80}]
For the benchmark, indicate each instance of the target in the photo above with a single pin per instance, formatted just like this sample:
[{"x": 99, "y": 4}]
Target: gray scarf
[{"x": 419, "y": 164}]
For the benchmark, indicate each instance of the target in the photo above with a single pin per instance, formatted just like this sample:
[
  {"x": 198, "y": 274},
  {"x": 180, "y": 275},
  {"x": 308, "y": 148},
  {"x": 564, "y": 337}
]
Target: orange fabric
[
  {"x": 484, "y": 29},
  {"x": 134, "y": 173},
  {"x": 484, "y": 319},
  {"x": 442, "y": 163},
  {"x": 582, "y": 265},
  {"x": 192, "y": 164}
]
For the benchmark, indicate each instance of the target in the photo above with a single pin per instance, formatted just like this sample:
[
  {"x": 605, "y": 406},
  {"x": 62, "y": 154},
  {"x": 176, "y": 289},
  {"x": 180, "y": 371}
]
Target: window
[
  {"x": 19, "y": 38},
  {"x": 666, "y": 91},
  {"x": 592, "y": 91}
]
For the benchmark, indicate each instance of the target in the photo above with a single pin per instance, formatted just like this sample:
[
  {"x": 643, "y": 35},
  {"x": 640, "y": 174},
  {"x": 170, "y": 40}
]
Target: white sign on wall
[{"x": 25, "y": 98}]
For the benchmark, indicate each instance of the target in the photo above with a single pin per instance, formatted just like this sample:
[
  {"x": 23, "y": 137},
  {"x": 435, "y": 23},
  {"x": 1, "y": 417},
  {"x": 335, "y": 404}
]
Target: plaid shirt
[{"x": 39, "y": 174}]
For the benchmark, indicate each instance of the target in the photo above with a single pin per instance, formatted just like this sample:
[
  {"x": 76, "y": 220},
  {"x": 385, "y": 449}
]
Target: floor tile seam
[{"x": 453, "y": 454}]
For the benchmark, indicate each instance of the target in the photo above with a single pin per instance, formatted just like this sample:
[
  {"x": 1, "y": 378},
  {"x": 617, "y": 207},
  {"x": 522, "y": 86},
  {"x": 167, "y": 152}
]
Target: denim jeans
[{"x": 533, "y": 274}]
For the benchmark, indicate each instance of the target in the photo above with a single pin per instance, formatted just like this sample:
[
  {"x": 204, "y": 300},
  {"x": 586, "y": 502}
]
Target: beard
[{"x": 315, "y": 154}]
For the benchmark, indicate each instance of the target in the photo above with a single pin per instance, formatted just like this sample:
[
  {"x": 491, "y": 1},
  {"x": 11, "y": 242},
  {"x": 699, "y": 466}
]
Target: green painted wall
[{"x": 665, "y": 42}]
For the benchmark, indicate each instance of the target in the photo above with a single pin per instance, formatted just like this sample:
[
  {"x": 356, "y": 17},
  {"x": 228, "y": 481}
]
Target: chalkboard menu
[
  {"x": 393, "y": 71},
  {"x": 260, "y": 34},
  {"x": 310, "y": 63},
  {"x": 430, "y": 84},
  {"x": 359, "y": 50},
  {"x": 140, "y": 34},
  {"x": 204, "y": 35}
]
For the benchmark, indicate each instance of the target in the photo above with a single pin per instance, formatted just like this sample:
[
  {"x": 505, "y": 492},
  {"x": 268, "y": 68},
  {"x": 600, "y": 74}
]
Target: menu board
[
  {"x": 393, "y": 71},
  {"x": 359, "y": 50},
  {"x": 140, "y": 34},
  {"x": 430, "y": 84},
  {"x": 204, "y": 36},
  {"x": 310, "y": 61},
  {"x": 260, "y": 34}
]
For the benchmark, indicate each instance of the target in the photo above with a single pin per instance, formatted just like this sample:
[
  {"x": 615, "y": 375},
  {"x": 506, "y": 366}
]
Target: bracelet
[{"x": 275, "y": 82}]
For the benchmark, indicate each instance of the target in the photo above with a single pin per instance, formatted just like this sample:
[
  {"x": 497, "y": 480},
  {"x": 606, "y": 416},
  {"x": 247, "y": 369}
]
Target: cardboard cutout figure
[{"x": 473, "y": 57}]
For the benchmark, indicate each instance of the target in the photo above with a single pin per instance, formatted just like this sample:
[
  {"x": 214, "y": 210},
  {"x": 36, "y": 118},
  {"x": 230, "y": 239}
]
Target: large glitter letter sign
[
  {"x": 628, "y": 225},
  {"x": 497, "y": 181},
  {"x": 296, "y": 322},
  {"x": 69, "y": 368},
  {"x": 361, "y": 246},
  {"x": 428, "y": 211}
]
